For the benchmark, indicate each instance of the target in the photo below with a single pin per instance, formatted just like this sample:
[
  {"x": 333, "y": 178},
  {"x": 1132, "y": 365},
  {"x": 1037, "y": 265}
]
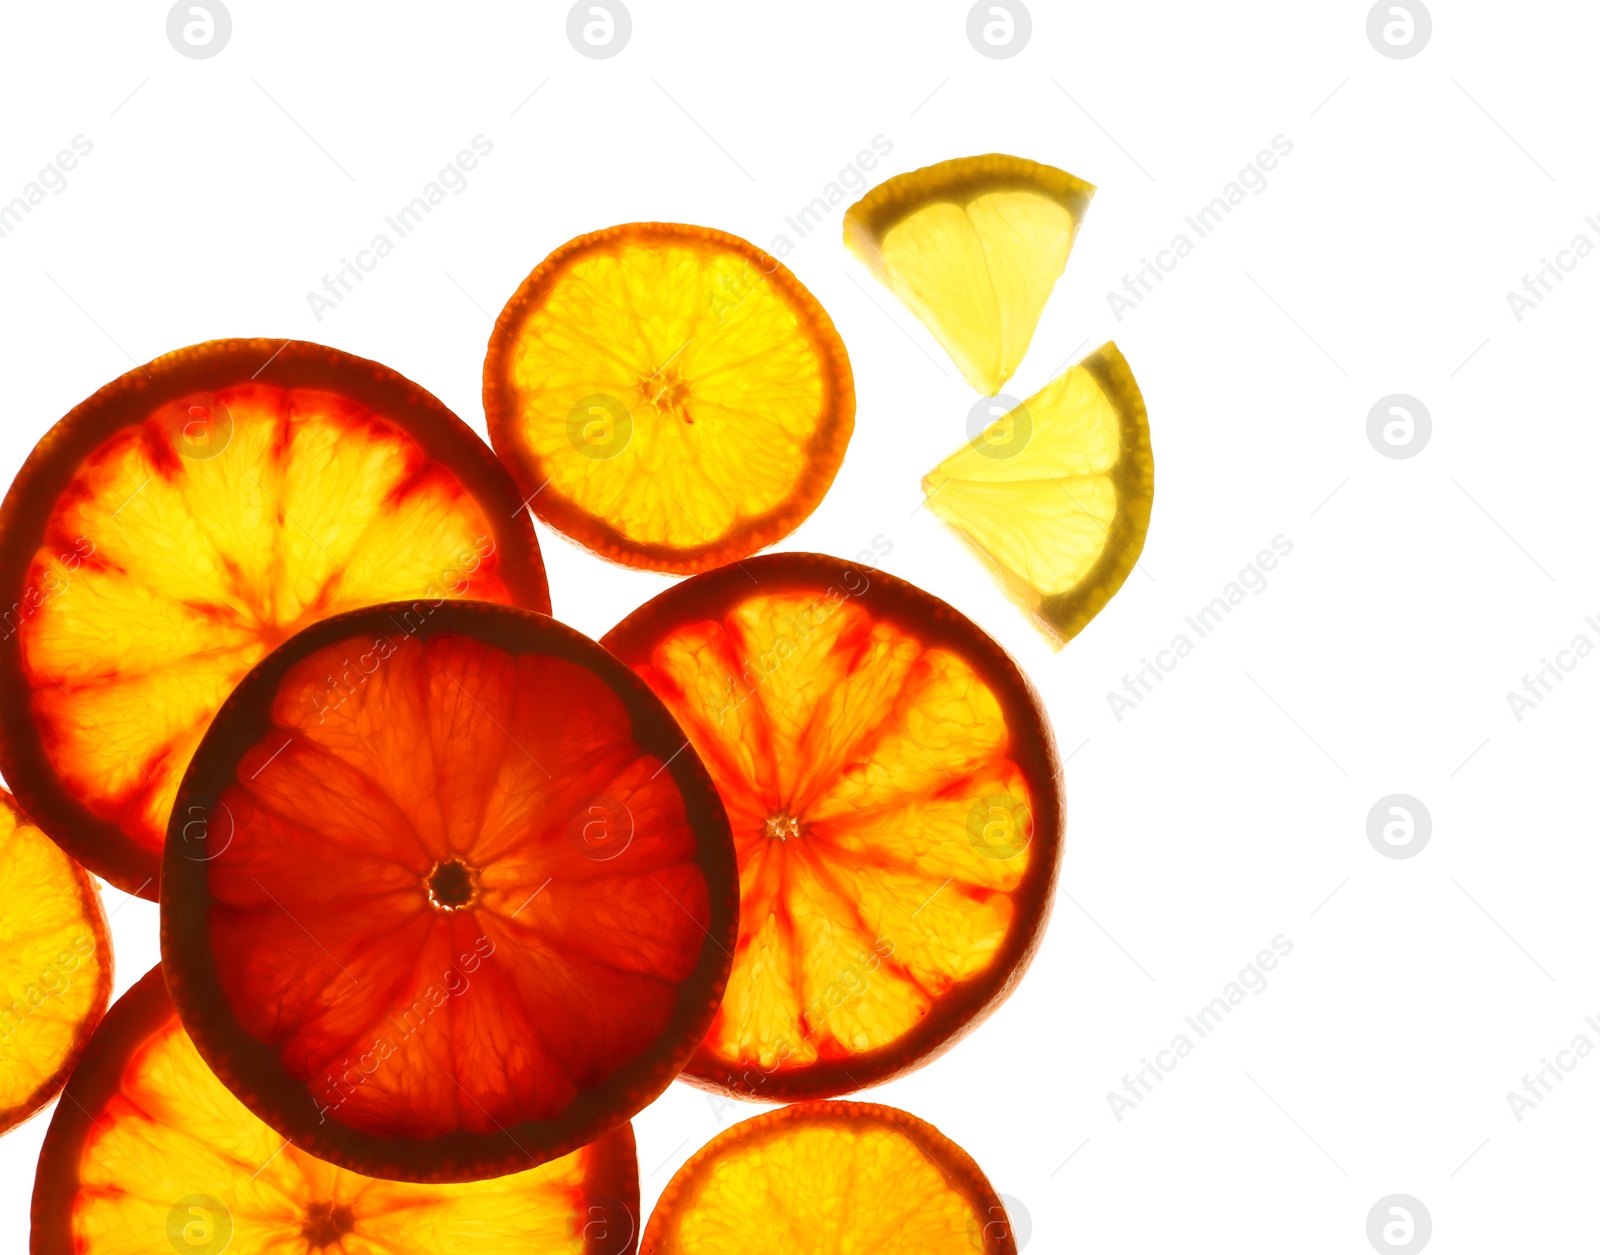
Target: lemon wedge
[
  {"x": 973, "y": 247},
  {"x": 1054, "y": 496}
]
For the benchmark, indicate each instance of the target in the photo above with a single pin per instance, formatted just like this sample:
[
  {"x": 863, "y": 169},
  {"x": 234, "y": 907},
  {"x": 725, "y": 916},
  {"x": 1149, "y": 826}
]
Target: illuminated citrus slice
[
  {"x": 890, "y": 779},
  {"x": 669, "y": 396},
  {"x": 446, "y": 895},
  {"x": 1055, "y": 496},
  {"x": 973, "y": 247},
  {"x": 55, "y": 965},
  {"x": 172, "y": 529},
  {"x": 150, "y": 1154},
  {"x": 826, "y": 1177}
]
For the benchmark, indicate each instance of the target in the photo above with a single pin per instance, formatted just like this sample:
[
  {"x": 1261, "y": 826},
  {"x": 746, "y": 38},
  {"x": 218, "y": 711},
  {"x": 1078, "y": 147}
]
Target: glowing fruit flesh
[
  {"x": 890, "y": 780},
  {"x": 1055, "y": 496},
  {"x": 446, "y": 894},
  {"x": 827, "y": 1177},
  {"x": 973, "y": 247},
  {"x": 170, "y": 531},
  {"x": 669, "y": 396},
  {"x": 151, "y": 1154},
  {"x": 55, "y": 965}
]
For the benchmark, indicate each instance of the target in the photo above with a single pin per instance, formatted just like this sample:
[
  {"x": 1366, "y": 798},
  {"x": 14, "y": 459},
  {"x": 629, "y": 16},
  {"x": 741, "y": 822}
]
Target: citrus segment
[
  {"x": 153, "y": 1154},
  {"x": 669, "y": 396},
  {"x": 825, "y": 1177},
  {"x": 890, "y": 782},
  {"x": 973, "y": 247},
  {"x": 1055, "y": 496},
  {"x": 446, "y": 894},
  {"x": 170, "y": 531},
  {"x": 55, "y": 965}
]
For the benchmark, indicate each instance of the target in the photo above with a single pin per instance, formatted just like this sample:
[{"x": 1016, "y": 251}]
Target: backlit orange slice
[
  {"x": 185, "y": 519},
  {"x": 825, "y": 1177},
  {"x": 973, "y": 247},
  {"x": 891, "y": 782},
  {"x": 446, "y": 895},
  {"x": 149, "y": 1154},
  {"x": 669, "y": 396},
  {"x": 55, "y": 965}
]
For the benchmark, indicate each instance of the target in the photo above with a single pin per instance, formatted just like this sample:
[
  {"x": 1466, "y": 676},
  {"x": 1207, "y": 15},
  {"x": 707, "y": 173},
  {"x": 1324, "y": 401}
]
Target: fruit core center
[
  {"x": 668, "y": 391},
  {"x": 452, "y": 886},
  {"x": 325, "y": 1224},
  {"x": 782, "y": 827}
]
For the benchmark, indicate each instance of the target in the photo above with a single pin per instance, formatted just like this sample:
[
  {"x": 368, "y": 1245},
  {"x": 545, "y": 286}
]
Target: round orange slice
[
  {"x": 150, "y": 1154},
  {"x": 823, "y": 1177},
  {"x": 171, "y": 530},
  {"x": 446, "y": 896},
  {"x": 669, "y": 396},
  {"x": 891, "y": 782},
  {"x": 55, "y": 965}
]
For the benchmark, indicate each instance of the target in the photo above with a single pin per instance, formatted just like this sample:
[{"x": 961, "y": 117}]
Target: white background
[{"x": 1229, "y": 805}]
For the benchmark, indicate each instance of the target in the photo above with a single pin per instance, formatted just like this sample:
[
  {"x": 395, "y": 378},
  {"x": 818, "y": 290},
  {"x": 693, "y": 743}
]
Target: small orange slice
[
  {"x": 826, "y": 1177},
  {"x": 446, "y": 896},
  {"x": 176, "y": 526},
  {"x": 150, "y": 1154},
  {"x": 55, "y": 965},
  {"x": 669, "y": 396},
  {"x": 891, "y": 782},
  {"x": 973, "y": 246}
]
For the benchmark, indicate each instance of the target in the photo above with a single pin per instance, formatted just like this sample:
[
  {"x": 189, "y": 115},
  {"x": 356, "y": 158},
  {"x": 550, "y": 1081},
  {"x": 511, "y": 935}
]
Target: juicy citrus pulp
[
  {"x": 1055, "y": 496},
  {"x": 55, "y": 964},
  {"x": 446, "y": 896},
  {"x": 152, "y": 1154},
  {"x": 973, "y": 247},
  {"x": 175, "y": 527},
  {"x": 889, "y": 779},
  {"x": 827, "y": 1177},
  {"x": 668, "y": 395}
]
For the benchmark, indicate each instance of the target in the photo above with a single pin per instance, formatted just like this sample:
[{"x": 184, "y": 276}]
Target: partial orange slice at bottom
[
  {"x": 150, "y": 1153},
  {"x": 55, "y": 964},
  {"x": 824, "y": 1177}
]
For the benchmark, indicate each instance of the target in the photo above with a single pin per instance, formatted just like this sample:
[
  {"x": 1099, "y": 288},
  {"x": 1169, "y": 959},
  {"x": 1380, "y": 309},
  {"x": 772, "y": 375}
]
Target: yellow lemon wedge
[
  {"x": 1054, "y": 496},
  {"x": 973, "y": 247}
]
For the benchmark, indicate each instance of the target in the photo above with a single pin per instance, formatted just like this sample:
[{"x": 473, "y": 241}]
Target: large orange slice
[
  {"x": 55, "y": 965},
  {"x": 669, "y": 396},
  {"x": 149, "y": 1154},
  {"x": 446, "y": 896},
  {"x": 185, "y": 519},
  {"x": 891, "y": 782},
  {"x": 825, "y": 1177}
]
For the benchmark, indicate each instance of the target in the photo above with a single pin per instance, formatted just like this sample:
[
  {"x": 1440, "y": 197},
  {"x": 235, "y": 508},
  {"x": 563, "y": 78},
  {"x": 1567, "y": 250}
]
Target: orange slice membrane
[
  {"x": 446, "y": 897},
  {"x": 890, "y": 780},
  {"x": 182, "y": 522}
]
